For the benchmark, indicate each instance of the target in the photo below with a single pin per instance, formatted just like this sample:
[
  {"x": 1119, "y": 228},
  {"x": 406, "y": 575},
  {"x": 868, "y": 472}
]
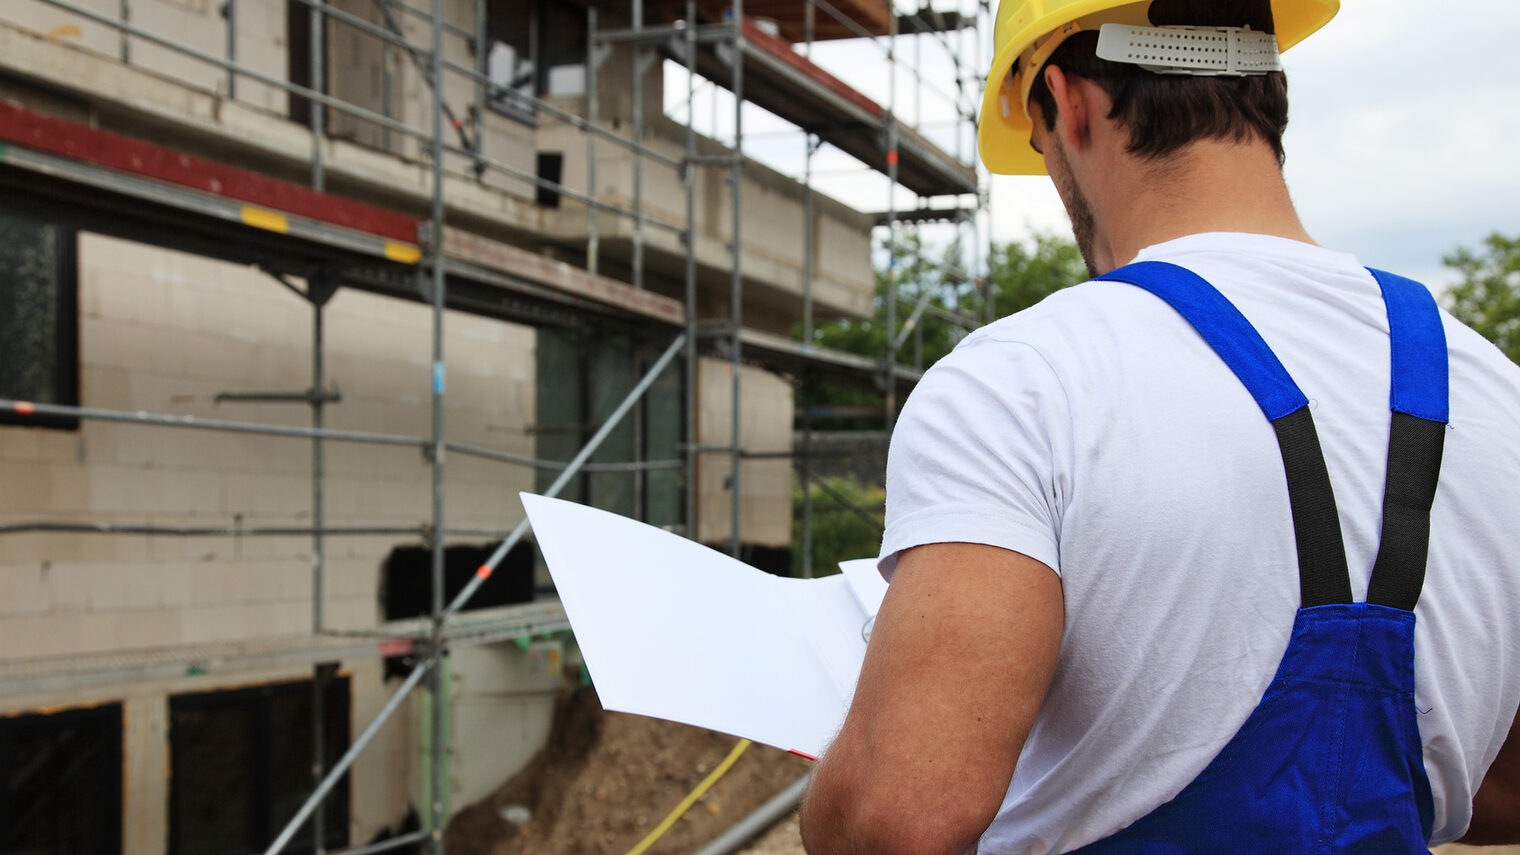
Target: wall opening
[
  {"x": 551, "y": 166},
  {"x": 39, "y": 316},
  {"x": 63, "y": 774},
  {"x": 241, "y": 763}
]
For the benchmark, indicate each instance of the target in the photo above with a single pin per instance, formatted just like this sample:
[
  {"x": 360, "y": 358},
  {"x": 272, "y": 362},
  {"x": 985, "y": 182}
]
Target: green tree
[
  {"x": 839, "y": 532},
  {"x": 1019, "y": 275},
  {"x": 1488, "y": 297},
  {"x": 1022, "y": 275}
]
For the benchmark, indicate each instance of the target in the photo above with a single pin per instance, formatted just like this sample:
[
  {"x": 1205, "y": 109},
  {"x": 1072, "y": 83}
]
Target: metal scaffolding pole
[
  {"x": 318, "y": 117},
  {"x": 318, "y": 292},
  {"x": 229, "y": 13},
  {"x": 638, "y": 59},
  {"x": 593, "y": 64},
  {"x": 689, "y": 176},
  {"x": 27, "y": 408},
  {"x": 804, "y": 462},
  {"x": 436, "y": 653},
  {"x": 809, "y": 240},
  {"x": 736, "y": 281}
]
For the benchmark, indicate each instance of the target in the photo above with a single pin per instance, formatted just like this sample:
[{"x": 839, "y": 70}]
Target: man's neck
[{"x": 1212, "y": 186}]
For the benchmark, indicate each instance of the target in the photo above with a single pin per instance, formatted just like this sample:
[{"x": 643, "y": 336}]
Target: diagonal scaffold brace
[{"x": 425, "y": 664}]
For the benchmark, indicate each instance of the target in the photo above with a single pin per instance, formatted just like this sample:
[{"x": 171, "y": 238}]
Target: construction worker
[{"x": 1212, "y": 554}]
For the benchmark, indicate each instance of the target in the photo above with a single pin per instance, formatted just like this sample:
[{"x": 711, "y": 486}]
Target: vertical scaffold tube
[
  {"x": 593, "y": 64},
  {"x": 689, "y": 173},
  {"x": 736, "y": 283},
  {"x": 637, "y": 56},
  {"x": 316, "y": 293},
  {"x": 436, "y": 685},
  {"x": 319, "y": 83}
]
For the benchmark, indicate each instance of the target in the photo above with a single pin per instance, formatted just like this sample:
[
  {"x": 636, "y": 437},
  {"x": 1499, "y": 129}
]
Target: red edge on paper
[{"x": 803, "y": 756}]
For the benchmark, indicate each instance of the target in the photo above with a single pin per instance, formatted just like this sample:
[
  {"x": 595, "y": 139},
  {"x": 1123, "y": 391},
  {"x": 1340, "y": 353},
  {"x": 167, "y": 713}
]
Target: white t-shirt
[{"x": 1099, "y": 434}]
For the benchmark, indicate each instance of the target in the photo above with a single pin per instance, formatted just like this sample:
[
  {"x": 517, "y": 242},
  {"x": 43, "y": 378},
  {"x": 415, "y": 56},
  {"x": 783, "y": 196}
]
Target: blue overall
[{"x": 1330, "y": 760}]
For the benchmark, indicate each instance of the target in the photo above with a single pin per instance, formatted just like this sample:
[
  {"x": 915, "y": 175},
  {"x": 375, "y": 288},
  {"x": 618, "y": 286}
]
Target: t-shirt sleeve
[{"x": 979, "y": 455}]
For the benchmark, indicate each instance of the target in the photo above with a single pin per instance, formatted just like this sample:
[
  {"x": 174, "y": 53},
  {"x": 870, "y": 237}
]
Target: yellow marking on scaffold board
[
  {"x": 268, "y": 220},
  {"x": 404, "y": 253}
]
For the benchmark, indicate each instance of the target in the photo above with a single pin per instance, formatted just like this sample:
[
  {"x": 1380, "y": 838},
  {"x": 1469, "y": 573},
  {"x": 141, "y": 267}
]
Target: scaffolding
[{"x": 317, "y": 242}]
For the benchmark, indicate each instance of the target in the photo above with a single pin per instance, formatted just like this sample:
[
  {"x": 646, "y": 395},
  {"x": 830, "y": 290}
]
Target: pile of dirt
[{"x": 605, "y": 780}]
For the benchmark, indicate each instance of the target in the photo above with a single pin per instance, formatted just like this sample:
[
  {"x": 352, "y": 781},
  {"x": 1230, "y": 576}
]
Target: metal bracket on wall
[{"x": 309, "y": 396}]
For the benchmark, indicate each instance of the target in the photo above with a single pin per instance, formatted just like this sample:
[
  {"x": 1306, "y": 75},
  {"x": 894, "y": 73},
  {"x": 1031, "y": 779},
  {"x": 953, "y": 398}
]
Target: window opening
[
  {"x": 534, "y": 48},
  {"x": 240, "y": 767},
  {"x": 551, "y": 167},
  {"x": 39, "y": 316},
  {"x": 63, "y": 775}
]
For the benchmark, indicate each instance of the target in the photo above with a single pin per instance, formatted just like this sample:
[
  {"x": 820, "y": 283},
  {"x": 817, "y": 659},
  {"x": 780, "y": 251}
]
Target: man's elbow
[
  {"x": 1496, "y": 815},
  {"x": 855, "y": 818}
]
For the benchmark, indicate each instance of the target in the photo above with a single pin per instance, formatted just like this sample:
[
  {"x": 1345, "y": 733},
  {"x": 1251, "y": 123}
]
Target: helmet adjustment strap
[{"x": 1199, "y": 51}]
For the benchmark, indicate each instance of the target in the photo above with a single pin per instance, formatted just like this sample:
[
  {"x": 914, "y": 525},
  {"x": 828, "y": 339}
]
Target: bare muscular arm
[{"x": 960, "y": 658}]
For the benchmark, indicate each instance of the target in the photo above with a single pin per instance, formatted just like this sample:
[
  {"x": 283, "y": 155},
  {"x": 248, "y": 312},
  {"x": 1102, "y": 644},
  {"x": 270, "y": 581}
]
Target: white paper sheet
[{"x": 674, "y": 630}]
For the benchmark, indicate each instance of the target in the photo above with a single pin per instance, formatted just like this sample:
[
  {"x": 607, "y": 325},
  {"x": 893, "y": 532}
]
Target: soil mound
[{"x": 605, "y": 780}]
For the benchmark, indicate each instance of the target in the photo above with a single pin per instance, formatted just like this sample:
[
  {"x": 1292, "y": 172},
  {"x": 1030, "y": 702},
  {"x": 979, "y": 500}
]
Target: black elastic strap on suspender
[
  {"x": 1322, "y": 575},
  {"x": 1415, "y": 447}
]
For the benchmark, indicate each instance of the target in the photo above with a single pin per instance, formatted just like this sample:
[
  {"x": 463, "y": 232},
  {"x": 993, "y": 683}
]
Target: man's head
[{"x": 1163, "y": 112}]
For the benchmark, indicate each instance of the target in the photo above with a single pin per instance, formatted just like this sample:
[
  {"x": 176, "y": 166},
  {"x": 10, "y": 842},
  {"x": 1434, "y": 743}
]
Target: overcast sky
[{"x": 1402, "y": 142}]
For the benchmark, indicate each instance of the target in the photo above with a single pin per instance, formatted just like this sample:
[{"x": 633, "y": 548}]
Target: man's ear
[{"x": 1073, "y": 108}]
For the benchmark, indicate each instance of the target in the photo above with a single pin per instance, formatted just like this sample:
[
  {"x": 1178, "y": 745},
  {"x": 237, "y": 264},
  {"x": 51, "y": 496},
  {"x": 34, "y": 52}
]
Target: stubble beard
[{"x": 1084, "y": 226}]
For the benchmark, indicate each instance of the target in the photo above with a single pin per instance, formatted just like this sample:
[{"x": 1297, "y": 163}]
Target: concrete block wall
[
  {"x": 197, "y": 24},
  {"x": 165, "y": 332},
  {"x": 765, "y": 511}
]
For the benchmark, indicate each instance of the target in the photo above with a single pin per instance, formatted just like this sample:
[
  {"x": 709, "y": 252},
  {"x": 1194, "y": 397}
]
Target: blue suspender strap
[
  {"x": 1322, "y": 574},
  {"x": 1419, "y": 399},
  {"x": 1224, "y": 328}
]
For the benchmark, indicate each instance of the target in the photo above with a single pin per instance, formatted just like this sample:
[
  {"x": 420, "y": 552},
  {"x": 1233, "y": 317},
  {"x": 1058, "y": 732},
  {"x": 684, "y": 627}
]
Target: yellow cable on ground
[{"x": 691, "y": 798}]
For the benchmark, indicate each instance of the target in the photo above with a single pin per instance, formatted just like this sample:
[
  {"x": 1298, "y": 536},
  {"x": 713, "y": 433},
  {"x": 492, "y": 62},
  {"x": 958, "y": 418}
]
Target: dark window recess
[
  {"x": 240, "y": 767},
  {"x": 63, "y": 775},
  {"x": 39, "y": 317},
  {"x": 534, "y": 48},
  {"x": 551, "y": 167},
  {"x": 603, "y": 366},
  {"x": 408, "y": 578},
  {"x": 298, "y": 40},
  {"x": 407, "y": 584}
]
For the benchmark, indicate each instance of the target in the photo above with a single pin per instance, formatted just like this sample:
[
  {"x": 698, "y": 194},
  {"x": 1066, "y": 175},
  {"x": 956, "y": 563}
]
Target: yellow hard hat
[{"x": 1031, "y": 30}]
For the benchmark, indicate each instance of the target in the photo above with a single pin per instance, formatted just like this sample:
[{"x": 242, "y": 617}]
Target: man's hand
[{"x": 959, "y": 661}]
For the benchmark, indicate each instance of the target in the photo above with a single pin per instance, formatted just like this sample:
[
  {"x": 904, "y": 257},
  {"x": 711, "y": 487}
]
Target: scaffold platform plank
[
  {"x": 263, "y": 199},
  {"x": 395, "y": 638}
]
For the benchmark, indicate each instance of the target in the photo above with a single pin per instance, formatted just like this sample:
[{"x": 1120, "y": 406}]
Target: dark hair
[{"x": 1165, "y": 112}]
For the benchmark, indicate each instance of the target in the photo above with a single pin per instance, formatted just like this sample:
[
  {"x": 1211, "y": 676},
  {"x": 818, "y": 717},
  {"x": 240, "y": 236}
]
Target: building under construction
[{"x": 297, "y": 295}]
